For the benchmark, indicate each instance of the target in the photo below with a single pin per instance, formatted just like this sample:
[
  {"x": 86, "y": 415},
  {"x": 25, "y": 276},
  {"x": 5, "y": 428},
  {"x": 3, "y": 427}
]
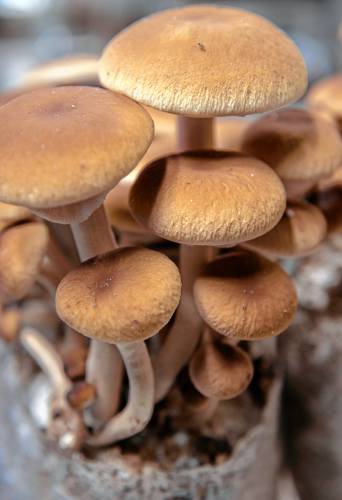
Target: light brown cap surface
[
  {"x": 220, "y": 371},
  {"x": 302, "y": 228},
  {"x": 75, "y": 69},
  {"x": 208, "y": 198},
  {"x": 245, "y": 296},
  {"x": 65, "y": 145},
  {"x": 22, "y": 249},
  {"x": 297, "y": 144},
  {"x": 327, "y": 95},
  {"x": 123, "y": 296},
  {"x": 205, "y": 60}
]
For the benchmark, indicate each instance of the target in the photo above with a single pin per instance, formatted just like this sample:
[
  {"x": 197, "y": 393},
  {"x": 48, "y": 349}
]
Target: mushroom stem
[
  {"x": 65, "y": 422},
  {"x": 138, "y": 411},
  {"x": 104, "y": 370},
  {"x": 92, "y": 237},
  {"x": 194, "y": 133},
  {"x": 186, "y": 330},
  {"x": 47, "y": 358}
]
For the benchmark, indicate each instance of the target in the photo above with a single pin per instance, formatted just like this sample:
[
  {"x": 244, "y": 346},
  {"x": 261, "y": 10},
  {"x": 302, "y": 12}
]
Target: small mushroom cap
[
  {"x": 205, "y": 60},
  {"x": 326, "y": 95},
  {"x": 244, "y": 296},
  {"x": 123, "y": 296},
  {"x": 297, "y": 144},
  {"x": 12, "y": 214},
  {"x": 76, "y": 69},
  {"x": 302, "y": 228},
  {"x": 220, "y": 371},
  {"x": 65, "y": 145},
  {"x": 208, "y": 198},
  {"x": 22, "y": 249}
]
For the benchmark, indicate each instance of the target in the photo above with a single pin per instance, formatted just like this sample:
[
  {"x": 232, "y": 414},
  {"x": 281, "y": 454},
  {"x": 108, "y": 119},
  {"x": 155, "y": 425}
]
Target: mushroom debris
[{"x": 214, "y": 219}]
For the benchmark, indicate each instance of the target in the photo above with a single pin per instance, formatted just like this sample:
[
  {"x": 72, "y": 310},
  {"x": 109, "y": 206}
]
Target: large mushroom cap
[
  {"x": 220, "y": 371},
  {"x": 22, "y": 249},
  {"x": 326, "y": 95},
  {"x": 245, "y": 296},
  {"x": 65, "y": 145},
  {"x": 302, "y": 228},
  {"x": 297, "y": 144},
  {"x": 205, "y": 60},
  {"x": 123, "y": 296},
  {"x": 76, "y": 69},
  {"x": 208, "y": 198}
]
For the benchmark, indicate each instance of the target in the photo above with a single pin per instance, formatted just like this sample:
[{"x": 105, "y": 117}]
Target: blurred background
[{"x": 34, "y": 31}]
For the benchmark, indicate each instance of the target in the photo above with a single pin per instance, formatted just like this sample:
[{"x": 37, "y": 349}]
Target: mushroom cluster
[{"x": 177, "y": 217}]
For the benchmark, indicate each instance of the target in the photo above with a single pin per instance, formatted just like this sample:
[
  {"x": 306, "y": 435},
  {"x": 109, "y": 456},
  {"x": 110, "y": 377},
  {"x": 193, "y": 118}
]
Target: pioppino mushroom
[
  {"x": 200, "y": 200},
  {"x": 123, "y": 298}
]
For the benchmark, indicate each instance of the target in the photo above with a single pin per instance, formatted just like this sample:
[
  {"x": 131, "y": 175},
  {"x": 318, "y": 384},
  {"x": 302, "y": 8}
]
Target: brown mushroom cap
[
  {"x": 76, "y": 69},
  {"x": 208, "y": 198},
  {"x": 326, "y": 95},
  {"x": 244, "y": 296},
  {"x": 65, "y": 145},
  {"x": 220, "y": 371},
  {"x": 297, "y": 144},
  {"x": 22, "y": 249},
  {"x": 123, "y": 296},
  {"x": 12, "y": 214},
  {"x": 205, "y": 60},
  {"x": 302, "y": 228}
]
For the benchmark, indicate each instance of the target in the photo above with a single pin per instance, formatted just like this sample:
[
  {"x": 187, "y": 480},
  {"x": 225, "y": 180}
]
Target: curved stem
[
  {"x": 186, "y": 330},
  {"x": 65, "y": 424},
  {"x": 138, "y": 411},
  {"x": 48, "y": 359},
  {"x": 104, "y": 366}
]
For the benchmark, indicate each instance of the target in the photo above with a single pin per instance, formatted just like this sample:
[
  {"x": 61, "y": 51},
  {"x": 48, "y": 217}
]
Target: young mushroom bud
[
  {"x": 245, "y": 296},
  {"x": 301, "y": 230},
  {"x": 301, "y": 146},
  {"x": 123, "y": 298}
]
